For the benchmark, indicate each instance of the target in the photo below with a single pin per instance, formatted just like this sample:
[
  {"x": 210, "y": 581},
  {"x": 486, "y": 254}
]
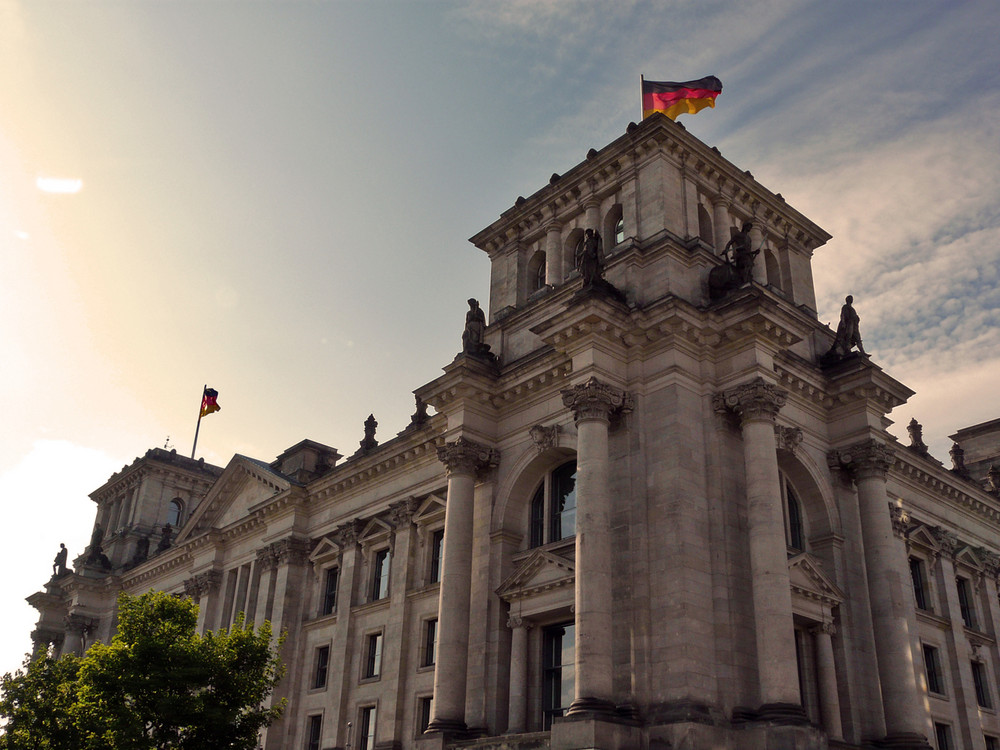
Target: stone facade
[{"x": 639, "y": 516}]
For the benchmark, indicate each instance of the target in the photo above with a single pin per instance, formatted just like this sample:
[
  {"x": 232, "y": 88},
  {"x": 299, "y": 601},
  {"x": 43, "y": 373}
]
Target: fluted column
[
  {"x": 829, "y": 698},
  {"x": 518, "y": 709},
  {"x": 756, "y": 243},
  {"x": 592, "y": 404},
  {"x": 757, "y": 404},
  {"x": 463, "y": 459},
  {"x": 553, "y": 255},
  {"x": 888, "y": 574}
]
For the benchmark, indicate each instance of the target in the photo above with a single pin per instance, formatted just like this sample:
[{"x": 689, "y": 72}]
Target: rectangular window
[
  {"x": 314, "y": 725},
  {"x": 366, "y": 733},
  {"x": 437, "y": 553},
  {"x": 966, "y": 602},
  {"x": 932, "y": 665},
  {"x": 942, "y": 732},
  {"x": 919, "y": 576},
  {"x": 322, "y": 664},
  {"x": 983, "y": 697},
  {"x": 380, "y": 575},
  {"x": 330, "y": 591},
  {"x": 373, "y": 660},
  {"x": 992, "y": 743},
  {"x": 426, "y": 711},
  {"x": 558, "y": 671},
  {"x": 430, "y": 642}
]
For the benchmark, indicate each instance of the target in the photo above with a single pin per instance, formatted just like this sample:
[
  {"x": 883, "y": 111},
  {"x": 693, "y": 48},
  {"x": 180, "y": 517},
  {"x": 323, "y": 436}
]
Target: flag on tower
[
  {"x": 208, "y": 402},
  {"x": 672, "y": 98}
]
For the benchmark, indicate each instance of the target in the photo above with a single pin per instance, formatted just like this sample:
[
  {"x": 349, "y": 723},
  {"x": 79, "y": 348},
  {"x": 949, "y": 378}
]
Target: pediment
[
  {"x": 325, "y": 548},
  {"x": 539, "y": 572},
  {"x": 244, "y": 484},
  {"x": 968, "y": 556},
  {"x": 923, "y": 536},
  {"x": 807, "y": 579},
  {"x": 431, "y": 507}
]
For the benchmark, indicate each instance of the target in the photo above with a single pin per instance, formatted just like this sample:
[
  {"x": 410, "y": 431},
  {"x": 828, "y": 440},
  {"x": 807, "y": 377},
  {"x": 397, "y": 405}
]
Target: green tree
[
  {"x": 37, "y": 703},
  {"x": 157, "y": 685}
]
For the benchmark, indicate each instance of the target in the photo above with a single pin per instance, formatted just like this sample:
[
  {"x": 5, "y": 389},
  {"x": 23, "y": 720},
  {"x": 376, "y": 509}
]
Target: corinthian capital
[
  {"x": 757, "y": 400},
  {"x": 863, "y": 460},
  {"x": 467, "y": 457},
  {"x": 596, "y": 400}
]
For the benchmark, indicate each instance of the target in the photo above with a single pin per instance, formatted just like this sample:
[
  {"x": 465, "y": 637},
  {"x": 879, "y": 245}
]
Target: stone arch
[
  {"x": 771, "y": 269},
  {"x": 571, "y": 248},
  {"x": 705, "y": 230},
  {"x": 536, "y": 272},
  {"x": 608, "y": 232},
  {"x": 514, "y": 498},
  {"x": 815, "y": 497}
]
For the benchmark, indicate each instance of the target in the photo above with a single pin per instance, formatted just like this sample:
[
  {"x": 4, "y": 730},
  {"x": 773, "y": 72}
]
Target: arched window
[
  {"x": 175, "y": 513},
  {"x": 553, "y": 506},
  {"x": 771, "y": 268},
  {"x": 613, "y": 230},
  {"x": 536, "y": 272},
  {"x": 795, "y": 536}
]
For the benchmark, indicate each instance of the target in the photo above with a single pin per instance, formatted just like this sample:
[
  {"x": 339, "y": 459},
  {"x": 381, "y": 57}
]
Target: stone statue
[
  {"x": 165, "y": 535},
  {"x": 420, "y": 416},
  {"x": 59, "y": 564},
  {"x": 141, "y": 550},
  {"x": 95, "y": 552},
  {"x": 848, "y": 330},
  {"x": 592, "y": 258},
  {"x": 737, "y": 268},
  {"x": 958, "y": 461},
  {"x": 475, "y": 327},
  {"x": 743, "y": 253},
  {"x": 369, "y": 440}
]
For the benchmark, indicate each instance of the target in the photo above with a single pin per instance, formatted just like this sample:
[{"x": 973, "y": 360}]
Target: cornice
[
  {"x": 943, "y": 484},
  {"x": 360, "y": 471},
  {"x": 176, "y": 558}
]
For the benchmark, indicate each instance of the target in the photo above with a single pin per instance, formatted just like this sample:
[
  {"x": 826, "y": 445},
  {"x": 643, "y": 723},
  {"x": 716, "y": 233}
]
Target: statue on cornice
[
  {"x": 592, "y": 258},
  {"x": 165, "y": 535},
  {"x": 848, "y": 335},
  {"x": 59, "y": 564},
  {"x": 475, "y": 331}
]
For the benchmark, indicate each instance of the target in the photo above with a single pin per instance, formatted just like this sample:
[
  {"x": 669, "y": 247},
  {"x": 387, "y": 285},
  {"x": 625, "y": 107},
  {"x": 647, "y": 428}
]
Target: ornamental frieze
[{"x": 203, "y": 584}]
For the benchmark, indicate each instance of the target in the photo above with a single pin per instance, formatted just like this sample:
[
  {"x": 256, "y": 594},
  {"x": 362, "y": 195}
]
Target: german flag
[
  {"x": 672, "y": 98},
  {"x": 208, "y": 402}
]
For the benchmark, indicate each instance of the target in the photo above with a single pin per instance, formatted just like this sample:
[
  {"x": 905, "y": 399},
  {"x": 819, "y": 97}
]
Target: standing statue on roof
[
  {"x": 592, "y": 258},
  {"x": 743, "y": 253}
]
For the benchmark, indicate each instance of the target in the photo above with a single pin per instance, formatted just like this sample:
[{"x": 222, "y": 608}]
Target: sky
[{"x": 275, "y": 198}]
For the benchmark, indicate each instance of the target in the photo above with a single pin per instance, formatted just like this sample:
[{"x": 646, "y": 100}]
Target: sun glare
[{"x": 64, "y": 185}]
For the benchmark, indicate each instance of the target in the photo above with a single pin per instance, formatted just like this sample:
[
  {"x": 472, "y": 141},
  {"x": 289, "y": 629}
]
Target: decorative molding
[
  {"x": 401, "y": 512},
  {"x": 900, "y": 520},
  {"x": 948, "y": 541},
  {"x": 595, "y": 400},
  {"x": 203, "y": 584},
  {"x": 757, "y": 400}
]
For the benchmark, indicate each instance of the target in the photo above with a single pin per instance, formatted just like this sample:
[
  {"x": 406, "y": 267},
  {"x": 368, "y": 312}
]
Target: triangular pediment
[
  {"x": 968, "y": 556},
  {"x": 244, "y": 484},
  {"x": 325, "y": 548},
  {"x": 430, "y": 507},
  {"x": 923, "y": 536},
  {"x": 540, "y": 571},
  {"x": 808, "y": 579}
]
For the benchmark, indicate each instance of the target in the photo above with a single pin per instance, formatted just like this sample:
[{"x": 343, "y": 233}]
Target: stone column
[
  {"x": 888, "y": 574},
  {"x": 202, "y": 589},
  {"x": 463, "y": 459},
  {"x": 721, "y": 221},
  {"x": 592, "y": 404},
  {"x": 829, "y": 698},
  {"x": 757, "y": 242},
  {"x": 344, "y": 635},
  {"x": 757, "y": 404},
  {"x": 593, "y": 209},
  {"x": 553, "y": 255},
  {"x": 78, "y": 628},
  {"x": 518, "y": 710}
]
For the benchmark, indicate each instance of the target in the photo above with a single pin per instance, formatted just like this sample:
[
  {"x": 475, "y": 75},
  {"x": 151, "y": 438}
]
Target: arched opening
[
  {"x": 552, "y": 513},
  {"x": 175, "y": 512},
  {"x": 574, "y": 248},
  {"x": 705, "y": 230},
  {"x": 771, "y": 268},
  {"x": 613, "y": 231},
  {"x": 536, "y": 272}
]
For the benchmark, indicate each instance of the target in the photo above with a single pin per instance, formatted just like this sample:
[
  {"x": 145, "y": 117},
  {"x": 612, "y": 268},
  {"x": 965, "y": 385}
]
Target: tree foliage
[{"x": 158, "y": 684}]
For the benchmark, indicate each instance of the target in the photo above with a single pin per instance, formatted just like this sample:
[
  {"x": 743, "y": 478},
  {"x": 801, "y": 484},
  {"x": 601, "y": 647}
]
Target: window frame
[
  {"x": 428, "y": 643},
  {"x": 933, "y": 669},
  {"x": 321, "y": 667},
  {"x": 545, "y": 521},
  {"x": 553, "y": 674},
  {"x": 175, "y": 513},
  {"x": 367, "y": 720},
  {"x": 942, "y": 736},
  {"x": 314, "y": 731},
  {"x": 967, "y": 602},
  {"x": 434, "y": 564},
  {"x": 329, "y": 594},
  {"x": 425, "y": 712},
  {"x": 381, "y": 574},
  {"x": 981, "y": 682},
  {"x": 795, "y": 526},
  {"x": 921, "y": 588},
  {"x": 374, "y": 647}
]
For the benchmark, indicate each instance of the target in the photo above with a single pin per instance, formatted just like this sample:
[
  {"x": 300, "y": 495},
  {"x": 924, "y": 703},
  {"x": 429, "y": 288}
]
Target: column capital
[
  {"x": 824, "y": 628},
  {"x": 865, "y": 460},
  {"x": 203, "y": 583},
  {"x": 466, "y": 456},
  {"x": 290, "y": 551},
  {"x": 78, "y": 624},
  {"x": 516, "y": 621},
  {"x": 595, "y": 400},
  {"x": 401, "y": 512},
  {"x": 755, "y": 401},
  {"x": 900, "y": 520},
  {"x": 948, "y": 540}
]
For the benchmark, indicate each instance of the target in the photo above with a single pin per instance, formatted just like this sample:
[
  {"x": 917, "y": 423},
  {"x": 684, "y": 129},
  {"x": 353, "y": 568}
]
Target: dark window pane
[
  {"x": 538, "y": 517},
  {"x": 330, "y": 592},
  {"x": 563, "y": 513},
  {"x": 322, "y": 663},
  {"x": 437, "y": 552},
  {"x": 558, "y": 671}
]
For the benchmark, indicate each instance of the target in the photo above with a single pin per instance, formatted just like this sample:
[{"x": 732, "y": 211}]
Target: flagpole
[
  {"x": 198, "y": 426},
  {"x": 642, "y": 87}
]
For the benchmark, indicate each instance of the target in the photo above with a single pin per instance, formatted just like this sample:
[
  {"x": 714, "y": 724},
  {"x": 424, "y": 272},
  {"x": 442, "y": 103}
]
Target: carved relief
[
  {"x": 900, "y": 520},
  {"x": 203, "y": 584},
  {"x": 787, "y": 438},
  {"x": 401, "y": 512},
  {"x": 544, "y": 437}
]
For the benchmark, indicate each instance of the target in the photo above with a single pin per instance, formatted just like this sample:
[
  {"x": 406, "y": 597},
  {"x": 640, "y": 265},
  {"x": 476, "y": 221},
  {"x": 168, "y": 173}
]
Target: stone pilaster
[
  {"x": 464, "y": 459},
  {"x": 518, "y": 709},
  {"x": 553, "y": 255},
  {"x": 721, "y": 221},
  {"x": 592, "y": 404},
  {"x": 202, "y": 589},
  {"x": 78, "y": 630},
  {"x": 868, "y": 463},
  {"x": 757, "y": 403}
]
